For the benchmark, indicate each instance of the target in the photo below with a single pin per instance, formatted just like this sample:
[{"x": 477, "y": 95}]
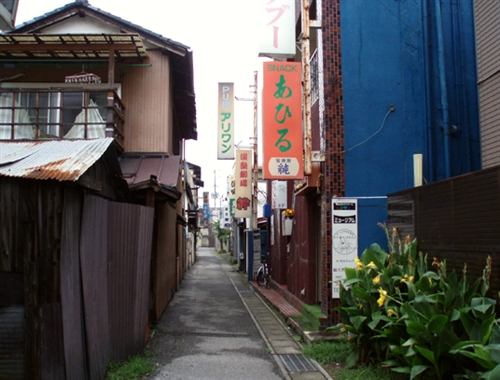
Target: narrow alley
[{"x": 217, "y": 327}]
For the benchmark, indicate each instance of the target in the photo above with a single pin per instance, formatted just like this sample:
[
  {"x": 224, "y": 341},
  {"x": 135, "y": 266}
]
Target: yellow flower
[
  {"x": 376, "y": 280},
  {"x": 391, "y": 312},
  {"x": 371, "y": 265},
  {"x": 383, "y": 296},
  {"x": 407, "y": 278},
  {"x": 359, "y": 264}
]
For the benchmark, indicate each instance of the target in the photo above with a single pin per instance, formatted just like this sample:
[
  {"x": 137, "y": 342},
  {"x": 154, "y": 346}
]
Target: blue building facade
[{"x": 409, "y": 87}]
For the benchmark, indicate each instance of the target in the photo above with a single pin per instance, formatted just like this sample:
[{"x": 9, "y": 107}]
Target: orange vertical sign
[{"x": 283, "y": 156}]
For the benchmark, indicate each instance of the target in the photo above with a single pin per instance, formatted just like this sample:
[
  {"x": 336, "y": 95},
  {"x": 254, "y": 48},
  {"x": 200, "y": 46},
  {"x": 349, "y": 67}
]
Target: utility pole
[
  {"x": 255, "y": 169},
  {"x": 255, "y": 154},
  {"x": 306, "y": 73}
]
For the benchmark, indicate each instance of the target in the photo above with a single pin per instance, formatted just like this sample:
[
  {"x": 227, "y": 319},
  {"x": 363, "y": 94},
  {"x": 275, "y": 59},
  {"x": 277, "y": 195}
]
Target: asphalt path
[{"x": 206, "y": 332}]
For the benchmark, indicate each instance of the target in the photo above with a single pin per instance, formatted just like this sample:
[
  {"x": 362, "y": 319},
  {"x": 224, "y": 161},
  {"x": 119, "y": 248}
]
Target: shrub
[{"x": 415, "y": 319}]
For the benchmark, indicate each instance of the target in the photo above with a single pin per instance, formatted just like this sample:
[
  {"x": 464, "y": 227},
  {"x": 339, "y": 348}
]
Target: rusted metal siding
[
  {"x": 163, "y": 263},
  {"x": 129, "y": 258},
  {"x": 147, "y": 96},
  {"x": 456, "y": 219},
  {"x": 71, "y": 287},
  {"x": 487, "y": 16},
  {"x": 84, "y": 296},
  {"x": 30, "y": 249},
  {"x": 94, "y": 271},
  {"x": 115, "y": 258},
  {"x": 12, "y": 358}
]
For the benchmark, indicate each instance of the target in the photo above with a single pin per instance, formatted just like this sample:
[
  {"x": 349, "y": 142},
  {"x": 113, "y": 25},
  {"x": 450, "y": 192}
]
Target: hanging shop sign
[
  {"x": 277, "y": 37},
  {"x": 344, "y": 239},
  {"x": 243, "y": 183},
  {"x": 279, "y": 193},
  {"x": 232, "y": 195},
  {"x": 282, "y": 121},
  {"x": 225, "y": 122}
]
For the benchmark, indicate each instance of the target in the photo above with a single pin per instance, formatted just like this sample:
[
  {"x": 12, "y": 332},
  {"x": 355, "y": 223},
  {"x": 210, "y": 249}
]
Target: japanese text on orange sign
[{"x": 282, "y": 121}]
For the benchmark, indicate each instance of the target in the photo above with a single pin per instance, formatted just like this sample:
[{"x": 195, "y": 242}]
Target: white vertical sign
[
  {"x": 225, "y": 120},
  {"x": 243, "y": 183},
  {"x": 278, "y": 29},
  {"x": 344, "y": 239},
  {"x": 279, "y": 194}
]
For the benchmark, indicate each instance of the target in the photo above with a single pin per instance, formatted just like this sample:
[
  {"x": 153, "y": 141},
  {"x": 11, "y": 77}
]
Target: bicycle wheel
[
  {"x": 266, "y": 280},
  {"x": 260, "y": 278}
]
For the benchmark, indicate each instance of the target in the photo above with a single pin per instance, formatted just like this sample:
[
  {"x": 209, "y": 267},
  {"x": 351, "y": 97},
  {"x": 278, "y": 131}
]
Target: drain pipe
[{"x": 444, "y": 93}]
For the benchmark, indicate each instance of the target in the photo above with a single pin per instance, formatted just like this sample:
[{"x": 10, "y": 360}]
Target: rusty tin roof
[{"x": 62, "y": 160}]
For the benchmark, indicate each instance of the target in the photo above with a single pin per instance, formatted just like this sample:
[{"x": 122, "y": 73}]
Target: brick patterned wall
[{"x": 333, "y": 180}]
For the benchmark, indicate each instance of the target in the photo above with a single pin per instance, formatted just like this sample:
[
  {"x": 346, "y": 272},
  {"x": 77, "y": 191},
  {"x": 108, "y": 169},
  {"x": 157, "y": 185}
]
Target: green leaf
[
  {"x": 357, "y": 321},
  {"x": 391, "y": 363},
  {"x": 417, "y": 370},
  {"x": 494, "y": 373},
  {"x": 432, "y": 275},
  {"x": 494, "y": 350},
  {"x": 352, "y": 281},
  {"x": 473, "y": 329},
  {"x": 353, "y": 358},
  {"x": 414, "y": 328},
  {"x": 463, "y": 345},
  {"x": 437, "y": 323},
  {"x": 495, "y": 334},
  {"x": 350, "y": 273},
  {"x": 426, "y": 353},
  {"x": 401, "y": 369},
  {"x": 373, "y": 324},
  {"x": 483, "y": 308},
  {"x": 375, "y": 254},
  {"x": 409, "y": 342},
  {"x": 361, "y": 293},
  {"x": 480, "y": 356}
]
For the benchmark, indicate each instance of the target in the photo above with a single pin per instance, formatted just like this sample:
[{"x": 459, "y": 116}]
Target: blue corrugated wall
[{"x": 400, "y": 53}]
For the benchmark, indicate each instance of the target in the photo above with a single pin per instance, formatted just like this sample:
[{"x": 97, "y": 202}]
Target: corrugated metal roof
[
  {"x": 62, "y": 160},
  {"x": 138, "y": 168}
]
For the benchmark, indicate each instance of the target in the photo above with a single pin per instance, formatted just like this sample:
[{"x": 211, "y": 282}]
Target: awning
[
  {"x": 157, "y": 171},
  {"x": 71, "y": 46}
]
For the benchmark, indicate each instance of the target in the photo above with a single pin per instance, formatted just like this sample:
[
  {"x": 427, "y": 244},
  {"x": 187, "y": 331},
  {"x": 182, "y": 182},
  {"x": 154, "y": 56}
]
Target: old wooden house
[{"x": 98, "y": 206}]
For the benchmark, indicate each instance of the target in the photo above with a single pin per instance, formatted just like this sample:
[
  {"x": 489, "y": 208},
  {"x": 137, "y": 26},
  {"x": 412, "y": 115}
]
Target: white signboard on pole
[
  {"x": 225, "y": 120},
  {"x": 279, "y": 193},
  {"x": 344, "y": 239},
  {"x": 278, "y": 29}
]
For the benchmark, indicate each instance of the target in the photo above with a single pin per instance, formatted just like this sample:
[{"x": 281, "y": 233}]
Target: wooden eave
[{"x": 71, "y": 46}]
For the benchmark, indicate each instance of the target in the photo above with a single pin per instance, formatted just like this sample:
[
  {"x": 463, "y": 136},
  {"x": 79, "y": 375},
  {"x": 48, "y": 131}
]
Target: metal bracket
[{"x": 317, "y": 156}]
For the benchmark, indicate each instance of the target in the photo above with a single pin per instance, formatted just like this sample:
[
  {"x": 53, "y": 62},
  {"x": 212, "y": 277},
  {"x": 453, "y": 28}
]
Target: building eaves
[
  {"x": 152, "y": 170},
  {"x": 61, "y": 160},
  {"x": 79, "y": 8}
]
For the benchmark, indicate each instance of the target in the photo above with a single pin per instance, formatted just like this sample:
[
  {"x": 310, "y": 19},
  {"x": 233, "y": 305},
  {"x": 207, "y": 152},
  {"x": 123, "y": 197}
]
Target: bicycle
[{"x": 263, "y": 275}]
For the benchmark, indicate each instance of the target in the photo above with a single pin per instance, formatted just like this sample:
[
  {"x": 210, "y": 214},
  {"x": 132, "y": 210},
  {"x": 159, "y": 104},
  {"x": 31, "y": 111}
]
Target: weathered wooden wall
[{"x": 456, "y": 219}]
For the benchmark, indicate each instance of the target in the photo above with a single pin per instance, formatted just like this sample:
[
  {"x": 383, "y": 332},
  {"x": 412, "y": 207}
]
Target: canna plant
[{"x": 416, "y": 318}]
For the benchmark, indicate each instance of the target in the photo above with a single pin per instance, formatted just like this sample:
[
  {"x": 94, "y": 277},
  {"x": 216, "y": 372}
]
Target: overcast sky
[{"x": 224, "y": 38}]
